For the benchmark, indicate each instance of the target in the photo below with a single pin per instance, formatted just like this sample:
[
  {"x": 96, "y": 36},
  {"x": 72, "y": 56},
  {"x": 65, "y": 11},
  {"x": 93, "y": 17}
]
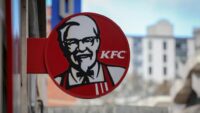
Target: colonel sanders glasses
[{"x": 86, "y": 40}]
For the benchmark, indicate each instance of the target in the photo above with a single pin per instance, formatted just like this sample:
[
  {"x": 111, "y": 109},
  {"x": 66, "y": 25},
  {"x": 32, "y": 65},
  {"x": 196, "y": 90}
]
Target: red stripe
[{"x": 9, "y": 61}]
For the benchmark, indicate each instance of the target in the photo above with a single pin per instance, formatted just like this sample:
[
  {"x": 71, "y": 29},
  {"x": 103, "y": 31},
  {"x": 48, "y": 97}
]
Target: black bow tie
[{"x": 85, "y": 76}]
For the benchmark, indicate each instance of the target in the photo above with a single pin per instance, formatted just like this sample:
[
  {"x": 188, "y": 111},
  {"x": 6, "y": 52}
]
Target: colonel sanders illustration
[{"x": 79, "y": 39}]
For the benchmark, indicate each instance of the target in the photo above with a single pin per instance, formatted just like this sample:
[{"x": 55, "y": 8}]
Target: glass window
[
  {"x": 164, "y": 58},
  {"x": 165, "y": 71},
  {"x": 150, "y": 58},
  {"x": 150, "y": 70},
  {"x": 150, "y": 45},
  {"x": 164, "y": 45}
]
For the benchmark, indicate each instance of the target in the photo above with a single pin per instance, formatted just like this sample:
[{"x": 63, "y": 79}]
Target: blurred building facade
[
  {"x": 158, "y": 52},
  {"x": 160, "y": 56}
]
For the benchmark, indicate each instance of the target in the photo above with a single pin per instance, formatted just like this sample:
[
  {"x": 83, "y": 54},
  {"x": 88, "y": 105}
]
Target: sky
[
  {"x": 16, "y": 21},
  {"x": 134, "y": 16}
]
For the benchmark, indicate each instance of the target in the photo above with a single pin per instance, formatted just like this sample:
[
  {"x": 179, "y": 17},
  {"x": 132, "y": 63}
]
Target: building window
[
  {"x": 150, "y": 45},
  {"x": 165, "y": 71},
  {"x": 176, "y": 65},
  {"x": 150, "y": 70},
  {"x": 164, "y": 45},
  {"x": 150, "y": 58},
  {"x": 164, "y": 58}
]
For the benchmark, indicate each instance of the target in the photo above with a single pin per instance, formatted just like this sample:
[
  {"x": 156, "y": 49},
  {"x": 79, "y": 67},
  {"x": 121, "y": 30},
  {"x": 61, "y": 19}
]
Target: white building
[
  {"x": 159, "y": 52},
  {"x": 196, "y": 34},
  {"x": 160, "y": 55}
]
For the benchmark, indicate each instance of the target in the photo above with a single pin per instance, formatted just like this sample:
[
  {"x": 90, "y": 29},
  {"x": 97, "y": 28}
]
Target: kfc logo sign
[
  {"x": 112, "y": 54},
  {"x": 87, "y": 55}
]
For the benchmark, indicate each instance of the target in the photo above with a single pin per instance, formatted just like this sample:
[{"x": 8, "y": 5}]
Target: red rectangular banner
[{"x": 35, "y": 55}]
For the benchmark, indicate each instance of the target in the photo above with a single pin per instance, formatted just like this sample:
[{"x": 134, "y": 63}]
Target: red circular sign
[{"x": 87, "y": 55}]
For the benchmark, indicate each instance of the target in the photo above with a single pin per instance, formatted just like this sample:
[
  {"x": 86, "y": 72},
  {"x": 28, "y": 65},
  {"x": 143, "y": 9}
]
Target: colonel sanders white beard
[{"x": 85, "y": 63}]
